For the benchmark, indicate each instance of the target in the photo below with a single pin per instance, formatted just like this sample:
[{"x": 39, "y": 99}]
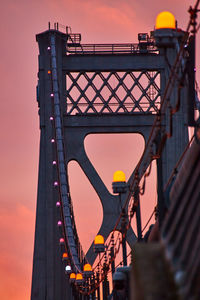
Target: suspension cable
[{"x": 63, "y": 185}]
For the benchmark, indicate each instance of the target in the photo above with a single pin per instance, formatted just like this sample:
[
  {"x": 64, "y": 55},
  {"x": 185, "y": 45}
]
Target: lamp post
[
  {"x": 166, "y": 39},
  {"x": 119, "y": 186},
  {"x": 87, "y": 270},
  {"x": 79, "y": 279},
  {"x": 99, "y": 244},
  {"x": 99, "y": 247}
]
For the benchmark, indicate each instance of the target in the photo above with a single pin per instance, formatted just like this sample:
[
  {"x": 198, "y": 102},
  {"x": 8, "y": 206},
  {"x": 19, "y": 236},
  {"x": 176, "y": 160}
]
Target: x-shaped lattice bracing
[{"x": 105, "y": 98}]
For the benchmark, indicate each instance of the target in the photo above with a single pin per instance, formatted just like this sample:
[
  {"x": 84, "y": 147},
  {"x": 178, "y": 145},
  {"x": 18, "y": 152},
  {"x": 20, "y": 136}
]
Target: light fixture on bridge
[
  {"x": 59, "y": 223},
  {"x": 58, "y": 204},
  {"x": 79, "y": 278},
  {"x": 87, "y": 270},
  {"x": 62, "y": 241},
  {"x": 53, "y": 140},
  {"x": 119, "y": 184},
  {"x": 68, "y": 269},
  {"x": 55, "y": 183},
  {"x": 51, "y": 118},
  {"x": 64, "y": 256},
  {"x": 99, "y": 244},
  {"x": 165, "y": 19},
  {"x": 72, "y": 277},
  {"x": 54, "y": 162}
]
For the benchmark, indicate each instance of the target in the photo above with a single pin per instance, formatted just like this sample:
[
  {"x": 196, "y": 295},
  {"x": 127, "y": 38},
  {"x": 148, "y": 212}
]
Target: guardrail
[
  {"x": 181, "y": 228},
  {"x": 143, "y": 47}
]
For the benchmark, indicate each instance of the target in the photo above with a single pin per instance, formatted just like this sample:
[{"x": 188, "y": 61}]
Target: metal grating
[{"x": 112, "y": 92}]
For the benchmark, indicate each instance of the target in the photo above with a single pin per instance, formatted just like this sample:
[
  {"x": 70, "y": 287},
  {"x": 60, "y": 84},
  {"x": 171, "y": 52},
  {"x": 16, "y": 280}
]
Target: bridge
[{"x": 155, "y": 96}]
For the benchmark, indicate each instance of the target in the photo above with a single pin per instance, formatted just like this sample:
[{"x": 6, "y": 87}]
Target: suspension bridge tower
[{"x": 76, "y": 97}]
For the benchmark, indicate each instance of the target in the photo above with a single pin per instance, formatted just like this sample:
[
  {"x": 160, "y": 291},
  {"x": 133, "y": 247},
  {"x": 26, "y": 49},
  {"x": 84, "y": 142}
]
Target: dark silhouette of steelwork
[
  {"x": 181, "y": 228},
  {"x": 90, "y": 89},
  {"x": 88, "y": 98}
]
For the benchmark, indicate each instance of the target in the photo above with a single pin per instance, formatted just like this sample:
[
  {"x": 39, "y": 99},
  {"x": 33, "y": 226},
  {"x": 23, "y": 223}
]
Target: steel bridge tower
[{"x": 76, "y": 97}]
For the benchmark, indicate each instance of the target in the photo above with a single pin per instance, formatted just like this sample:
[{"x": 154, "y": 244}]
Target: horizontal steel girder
[{"x": 91, "y": 63}]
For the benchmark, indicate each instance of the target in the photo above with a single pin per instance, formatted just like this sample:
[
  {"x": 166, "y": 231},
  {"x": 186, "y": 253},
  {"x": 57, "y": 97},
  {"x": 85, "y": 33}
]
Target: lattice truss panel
[{"x": 112, "y": 92}]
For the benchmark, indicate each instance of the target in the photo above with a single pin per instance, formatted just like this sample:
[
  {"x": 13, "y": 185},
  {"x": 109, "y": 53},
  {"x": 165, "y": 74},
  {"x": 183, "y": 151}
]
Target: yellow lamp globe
[
  {"x": 72, "y": 276},
  {"x": 87, "y": 268},
  {"x": 99, "y": 244},
  {"x": 165, "y": 19},
  {"x": 99, "y": 239},
  {"x": 119, "y": 176},
  {"x": 79, "y": 276},
  {"x": 119, "y": 184},
  {"x": 79, "y": 279}
]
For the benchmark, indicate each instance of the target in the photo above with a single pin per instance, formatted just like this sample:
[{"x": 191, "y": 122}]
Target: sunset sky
[{"x": 99, "y": 21}]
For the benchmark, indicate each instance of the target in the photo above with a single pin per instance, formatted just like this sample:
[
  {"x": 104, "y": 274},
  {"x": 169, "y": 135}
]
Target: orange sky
[{"x": 98, "y": 21}]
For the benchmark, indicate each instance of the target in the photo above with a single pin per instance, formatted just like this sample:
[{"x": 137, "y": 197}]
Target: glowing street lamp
[
  {"x": 165, "y": 34},
  {"x": 72, "y": 277},
  {"x": 59, "y": 223},
  {"x": 68, "y": 269},
  {"x": 62, "y": 241},
  {"x": 165, "y": 19},
  {"x": 87, "y": 270},
  {"x": 79, "y": 278},
  {"x": 119, "y": 186},
  {"x": 99, "y": 244},
  {"x": 64, "y": 256}
]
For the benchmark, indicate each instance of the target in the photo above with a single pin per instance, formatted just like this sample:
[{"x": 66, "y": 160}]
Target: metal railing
[
  {"x": 77, "y": 48},
  {"x": 181, "y": 228}
]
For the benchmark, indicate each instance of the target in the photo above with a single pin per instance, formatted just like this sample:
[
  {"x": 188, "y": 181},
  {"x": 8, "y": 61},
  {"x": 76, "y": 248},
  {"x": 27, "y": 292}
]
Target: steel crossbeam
[{"x": 130, "y": 94}]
